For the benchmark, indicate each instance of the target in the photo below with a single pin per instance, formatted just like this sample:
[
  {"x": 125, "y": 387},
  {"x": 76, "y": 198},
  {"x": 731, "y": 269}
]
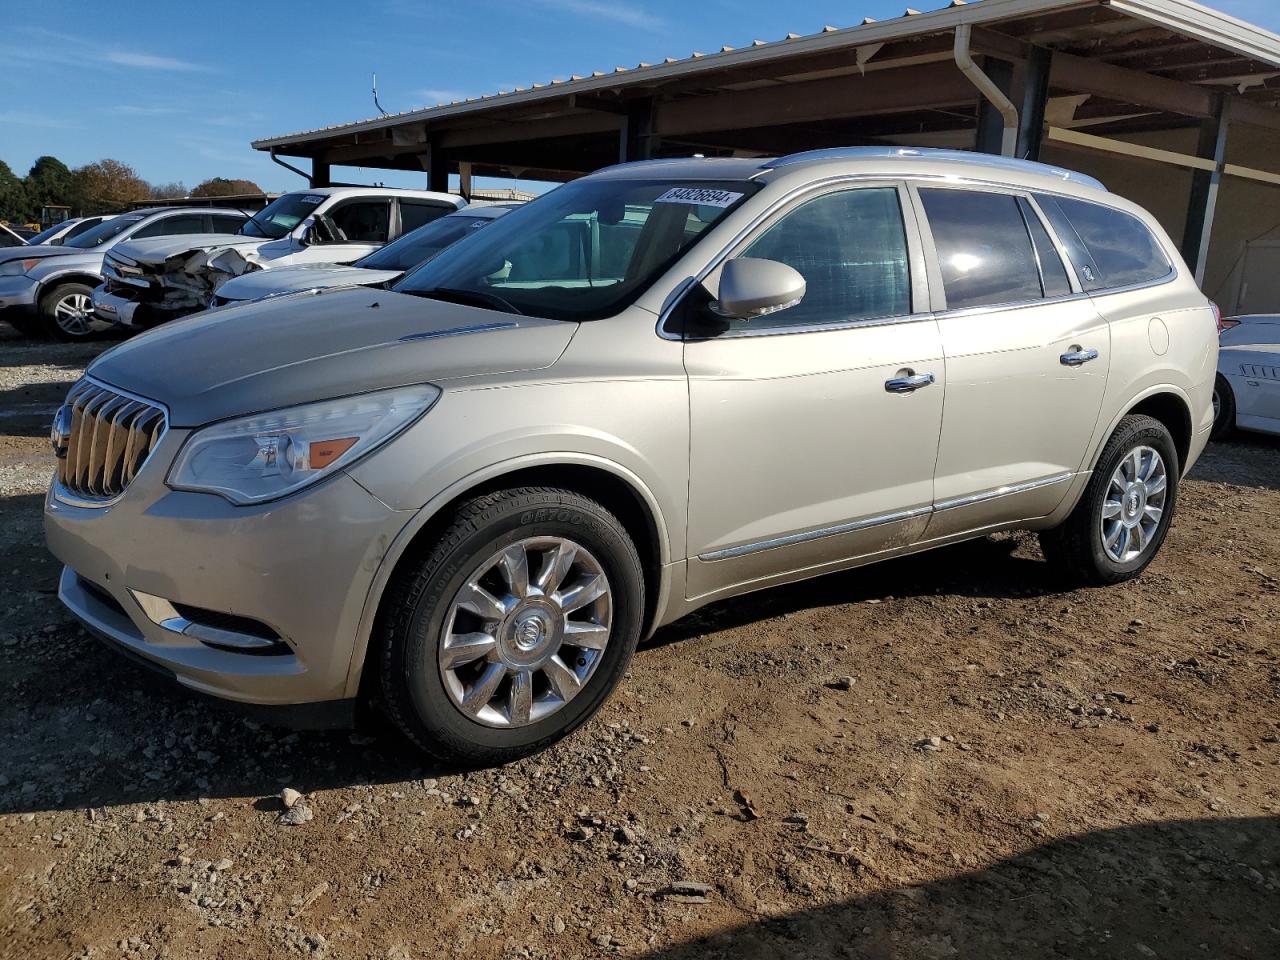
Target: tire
[
  {"x": 57, "y": 306},
  {"x": 1078, "y": 547},
  {"x": 425, "y": 698},
  {"x": 1224, "y": 406}
]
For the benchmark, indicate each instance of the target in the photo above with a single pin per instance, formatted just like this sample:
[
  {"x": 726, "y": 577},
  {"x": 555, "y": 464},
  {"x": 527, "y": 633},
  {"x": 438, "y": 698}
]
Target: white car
[
  {"x": 157, "y": 280},
  {"x": 60, "y": 233},
  {"x": 1247, "y": 391},
  {"x": 382, "y": 266}
]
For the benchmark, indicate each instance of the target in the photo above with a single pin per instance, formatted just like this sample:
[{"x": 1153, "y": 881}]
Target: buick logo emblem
[{"x": 60, "y": 432}]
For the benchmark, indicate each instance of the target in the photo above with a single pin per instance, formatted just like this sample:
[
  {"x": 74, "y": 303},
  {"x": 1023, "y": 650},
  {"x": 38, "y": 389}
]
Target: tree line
[{"x": 106, "y": 186}]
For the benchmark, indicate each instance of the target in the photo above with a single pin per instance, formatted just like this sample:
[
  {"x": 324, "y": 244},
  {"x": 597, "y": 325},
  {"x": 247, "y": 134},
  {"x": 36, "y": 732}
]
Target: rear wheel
[
  {"x": 1224, "y": 409},
  {"x": 515, "y": 627},
  {"x": 1124, "y": 514},
  {"x": 67, "y": 312}
]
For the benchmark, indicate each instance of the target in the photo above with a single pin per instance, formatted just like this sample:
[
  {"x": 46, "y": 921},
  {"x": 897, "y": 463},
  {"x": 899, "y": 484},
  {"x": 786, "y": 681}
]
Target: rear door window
[
  {"x": 225, "y": 223},
  {"x": 984, "y": 248},
  {"x": 172, "y": 226},
  {"x": 417, "y": 213},
  {"x": 1053, "y": 275},
  {"x": 1123, "y": 250}
]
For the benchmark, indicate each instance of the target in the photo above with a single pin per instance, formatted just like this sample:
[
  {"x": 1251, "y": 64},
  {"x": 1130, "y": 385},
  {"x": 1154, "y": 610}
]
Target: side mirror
[{"x": 751, "y": 288}]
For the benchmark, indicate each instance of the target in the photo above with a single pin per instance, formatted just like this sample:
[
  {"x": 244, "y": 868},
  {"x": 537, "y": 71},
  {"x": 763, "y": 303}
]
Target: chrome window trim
[
  {"x": 788, "y": 540},
  {"x": 915, "y": 248},
  {"x": 923, "y": 236},
  {"x": 63, "y": 495}
]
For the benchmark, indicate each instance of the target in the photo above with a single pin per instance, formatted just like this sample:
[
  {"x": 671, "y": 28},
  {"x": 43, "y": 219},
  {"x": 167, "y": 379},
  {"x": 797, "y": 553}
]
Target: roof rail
[{"x": 927, "y": 153}]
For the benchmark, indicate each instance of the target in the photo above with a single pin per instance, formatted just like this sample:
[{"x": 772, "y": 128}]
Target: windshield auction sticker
[{"x": 706, "y": 196}]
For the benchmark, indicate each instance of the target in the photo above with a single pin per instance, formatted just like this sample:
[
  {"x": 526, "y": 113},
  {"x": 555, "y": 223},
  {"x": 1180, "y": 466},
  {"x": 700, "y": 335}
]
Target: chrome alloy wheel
[
  {"x": 1217, "y": 404},
  {"x": 525, "y": 632},
  {"x": 1134, "y": 504},
  {"x": 74, "y": 313}
]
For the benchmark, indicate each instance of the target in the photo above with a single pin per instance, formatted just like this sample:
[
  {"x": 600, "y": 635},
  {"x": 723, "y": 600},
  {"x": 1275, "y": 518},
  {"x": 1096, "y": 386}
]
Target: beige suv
[{"x": 466, "y": 498}]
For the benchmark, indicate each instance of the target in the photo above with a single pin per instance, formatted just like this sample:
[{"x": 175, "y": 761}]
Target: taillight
[{"x": 1217, "y": 316}]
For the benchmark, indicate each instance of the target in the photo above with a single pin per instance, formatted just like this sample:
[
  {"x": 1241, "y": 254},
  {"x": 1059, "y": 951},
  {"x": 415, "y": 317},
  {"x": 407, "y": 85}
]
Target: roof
[
  {"x": 1211, "y": 27},
  {"x": 887, "y": 161}
]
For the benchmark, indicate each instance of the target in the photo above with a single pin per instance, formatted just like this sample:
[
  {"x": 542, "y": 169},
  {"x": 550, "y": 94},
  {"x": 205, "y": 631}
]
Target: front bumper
[
  {"x": 18, "y": 294},
  {"x": 109, "y": 308},
  {"x": 302, "y": 567}
]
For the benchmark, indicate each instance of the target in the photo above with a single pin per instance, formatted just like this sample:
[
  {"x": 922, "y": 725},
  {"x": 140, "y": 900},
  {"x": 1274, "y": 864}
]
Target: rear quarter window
[{"x": 1122, "y": 249}]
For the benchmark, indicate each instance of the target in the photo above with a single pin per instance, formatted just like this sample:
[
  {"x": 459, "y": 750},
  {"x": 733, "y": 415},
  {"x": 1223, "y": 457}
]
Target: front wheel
[
  {"x": 67, "y": 312},
  {"x": 1124, "y": 514},
  {"x": 514, "y": 627}
]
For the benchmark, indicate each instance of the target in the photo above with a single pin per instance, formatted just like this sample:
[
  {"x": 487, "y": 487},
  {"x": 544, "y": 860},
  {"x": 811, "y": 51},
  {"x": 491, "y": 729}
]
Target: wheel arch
[
  {"x": 1165, "y": 402},
  {"x": 49, "y": 284},
  {"x": 612, "y": 485}
]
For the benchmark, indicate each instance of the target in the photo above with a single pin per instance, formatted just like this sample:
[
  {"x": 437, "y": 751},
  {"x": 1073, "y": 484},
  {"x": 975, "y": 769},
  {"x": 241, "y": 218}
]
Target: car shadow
[
  {"x": 85, "y": 727},
  {"x": 986, "y": 568},
  {"x": 1243, "y": 459},
  {"x": 1180, "y": 889},
  {"x": 27, "y": 410}
]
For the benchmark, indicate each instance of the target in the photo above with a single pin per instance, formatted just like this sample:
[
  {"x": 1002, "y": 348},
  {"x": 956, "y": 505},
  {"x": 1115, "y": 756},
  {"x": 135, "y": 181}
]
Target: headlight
[
  {"x": 271, "y": 455},
  {"x": 14, "y": 268}
]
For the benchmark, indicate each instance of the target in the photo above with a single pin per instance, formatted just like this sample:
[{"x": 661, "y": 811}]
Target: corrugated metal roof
[{"x": 1183, "y": 16}]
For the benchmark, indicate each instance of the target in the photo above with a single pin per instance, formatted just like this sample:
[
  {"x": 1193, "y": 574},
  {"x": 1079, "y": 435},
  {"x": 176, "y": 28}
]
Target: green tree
[
  {"x": 49, "y": 181},
  {"x": 222, "y": 187},
  {"x": 15, "y": 205}
]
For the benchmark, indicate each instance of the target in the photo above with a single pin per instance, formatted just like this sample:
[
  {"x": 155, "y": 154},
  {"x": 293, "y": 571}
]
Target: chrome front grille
[{"x": 109, "y": 437}]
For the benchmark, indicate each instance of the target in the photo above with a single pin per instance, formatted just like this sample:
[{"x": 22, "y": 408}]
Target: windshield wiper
[{"x": 475, "y": 297}]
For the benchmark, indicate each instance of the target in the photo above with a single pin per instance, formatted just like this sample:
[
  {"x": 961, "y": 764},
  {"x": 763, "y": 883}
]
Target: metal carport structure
[{"x": 1165, "y": 84}]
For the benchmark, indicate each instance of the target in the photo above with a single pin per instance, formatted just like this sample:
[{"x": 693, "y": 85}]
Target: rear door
[{"x": 1027, "y": 356}]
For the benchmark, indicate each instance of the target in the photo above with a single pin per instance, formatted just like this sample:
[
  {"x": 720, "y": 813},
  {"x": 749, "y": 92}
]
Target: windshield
[
  {"x": 581, "y": 252},
  {"x": 103, "y": 232},
  {"x": 424, "y": 243},
  {"x": 278, "y": 218},
  {"x": 48, "y": 232}
]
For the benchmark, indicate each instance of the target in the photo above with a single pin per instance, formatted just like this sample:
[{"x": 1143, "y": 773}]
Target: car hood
[
  {"x": 310, "y": 276},
  {"x": 159, "y": 249},
  {"x": 280, "y": 353},
  {"x": 40, "y": 250}
]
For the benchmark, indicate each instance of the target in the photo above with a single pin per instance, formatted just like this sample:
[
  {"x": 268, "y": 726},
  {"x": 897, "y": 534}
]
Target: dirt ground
[{"x": 1105, "y": 782}]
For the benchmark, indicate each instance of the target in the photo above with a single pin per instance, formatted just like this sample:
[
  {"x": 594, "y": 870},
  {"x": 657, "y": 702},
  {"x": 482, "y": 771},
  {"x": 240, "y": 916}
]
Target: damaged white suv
[{"x": 150, "y": 281}]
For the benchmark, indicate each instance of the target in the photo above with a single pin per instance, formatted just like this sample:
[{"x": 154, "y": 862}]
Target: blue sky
[{"x": 163, "y": 88}]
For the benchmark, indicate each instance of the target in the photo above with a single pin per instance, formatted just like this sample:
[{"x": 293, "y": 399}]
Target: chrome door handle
[
  {"x": 1077, "y": 357},
  {"x": 908, "y": 384}
]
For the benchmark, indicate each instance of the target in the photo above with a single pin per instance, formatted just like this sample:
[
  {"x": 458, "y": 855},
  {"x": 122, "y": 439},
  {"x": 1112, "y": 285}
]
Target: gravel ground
[{"x": 945, "y": 756}]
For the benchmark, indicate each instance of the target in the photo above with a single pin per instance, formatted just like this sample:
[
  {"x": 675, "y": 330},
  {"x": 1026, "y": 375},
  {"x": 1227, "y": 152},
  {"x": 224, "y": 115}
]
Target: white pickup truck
[{"x": 149, "y": 281}]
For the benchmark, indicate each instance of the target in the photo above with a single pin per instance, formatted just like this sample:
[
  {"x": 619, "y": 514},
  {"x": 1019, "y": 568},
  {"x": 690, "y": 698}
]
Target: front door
[
  {"x": 1026, "y": 357},
  {"x": 360, "y": 226},
  {"x": 813, "y": 431}
]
